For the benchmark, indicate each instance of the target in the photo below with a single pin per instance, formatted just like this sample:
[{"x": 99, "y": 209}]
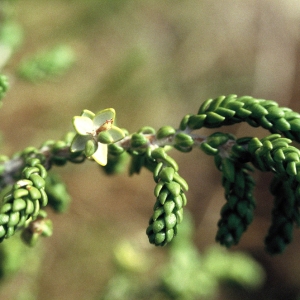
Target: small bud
[
  {"x": 138, "y": 140},
  {"x": 105, "y": 138},
  {"x": 90, "y": 148}
]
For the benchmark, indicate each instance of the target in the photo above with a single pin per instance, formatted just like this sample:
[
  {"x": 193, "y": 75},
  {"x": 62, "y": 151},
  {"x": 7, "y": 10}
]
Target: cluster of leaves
[
  {"x": 26, "y": 186},
  {"x": 272, "y": 153},
  {"x": 169, "y": 192},
  {"x": 235, "y": 158},
  {"x": 24, "y": 200}
]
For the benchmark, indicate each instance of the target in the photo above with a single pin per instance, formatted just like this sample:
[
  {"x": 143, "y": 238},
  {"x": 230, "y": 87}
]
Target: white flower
[{"x": 88, "y": 126}]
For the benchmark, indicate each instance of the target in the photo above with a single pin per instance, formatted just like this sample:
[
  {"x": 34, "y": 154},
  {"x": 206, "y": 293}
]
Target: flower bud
[
  {"x": 138, "y": 140},
  {"x": 91, "y": 147}
]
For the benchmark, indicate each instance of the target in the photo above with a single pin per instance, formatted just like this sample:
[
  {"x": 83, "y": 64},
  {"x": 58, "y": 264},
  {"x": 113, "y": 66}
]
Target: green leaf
[
  {"x": 37, "y": 180},
  {"x": 158, "y": 212},
  {"x": 282, "y": 124},
  {"x": 214, "y": 119},
  {"x": 183, "y": 140},
  {"x": 163, "y": 196},
  {"x": 295, "y": 125},
  {"x": 169, "y": 235},
  {"x": 217, "y": 139},
  {"x": 159, "y": 153},
  {"x": 159, "y": 238},
  {"x": 196, "y": 121},
  {"x": 174, "y": 188},
  {"x": 258, "y": 111},
  {"x": 275, "y": 112},
  {"x": 228, "y": 169},
  {"x": 158, "y": 225},
  {"x": 177, "y": 178},
  {"x": 164, "y": 132},
  {"x": 208, "y": 149},
  {"x": 158, "y": 188},
  {"x": 4, "y": 218},
  {"x": 170, "y": 220},
  {"x": 34, "y": 193},
  {"x": 167, "y": 174},
  {"x": 169, "y": 206},
  {"x": 184, "y": 122}
]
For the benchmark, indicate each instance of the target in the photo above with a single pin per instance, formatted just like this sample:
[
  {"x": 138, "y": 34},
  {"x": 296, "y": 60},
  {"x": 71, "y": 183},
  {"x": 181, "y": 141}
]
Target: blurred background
[{"x": 154, "y": 62}]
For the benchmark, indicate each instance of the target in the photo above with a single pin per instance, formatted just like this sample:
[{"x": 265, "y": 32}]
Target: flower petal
[
  {"x": 116, "y": 133},
  {"x": 83, "y": 125},
  {"x": 88, "y": 113},
  {"x": 102, "y": 116},
  {"x": 100, "y": 156},
  {"x": 78, "y": 143}
]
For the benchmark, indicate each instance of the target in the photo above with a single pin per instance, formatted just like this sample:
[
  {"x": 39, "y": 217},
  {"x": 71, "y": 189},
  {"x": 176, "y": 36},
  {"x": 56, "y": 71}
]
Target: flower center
[{"x": 105, "y": 126}]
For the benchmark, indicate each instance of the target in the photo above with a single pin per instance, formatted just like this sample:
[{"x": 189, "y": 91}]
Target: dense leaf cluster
[{"x": 27, "y": 186}]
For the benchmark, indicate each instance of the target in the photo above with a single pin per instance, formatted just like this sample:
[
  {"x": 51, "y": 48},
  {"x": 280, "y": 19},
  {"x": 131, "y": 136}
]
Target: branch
[{"x": 27, "y": 186}]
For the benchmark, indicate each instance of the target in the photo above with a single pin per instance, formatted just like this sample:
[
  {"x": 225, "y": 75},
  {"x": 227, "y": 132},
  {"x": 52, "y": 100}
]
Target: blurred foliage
[
  {"x": 47, "y": 64},
  {"x": 3, "y": 86},
  {"x": 19, "y": 263},
  {"x": 58, "y": 196},
  {"x": 11, "y": 34},
  {"x": 184, "y": 274}
]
